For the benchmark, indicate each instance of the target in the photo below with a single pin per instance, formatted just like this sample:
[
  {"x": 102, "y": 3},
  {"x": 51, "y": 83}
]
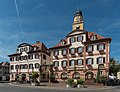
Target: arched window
[
  {"x": 72, "y": 63},
  {"x": 64, "y": 75},
  {"x": 79, "y": 62},
  {"x": 80, "y": 49},
  {"x": 76, "y": 75},
  {"x": 30, "y": 66},
  {"x": 25, "y": 66},
  {"x": 56, "y": 63},
  {"x": 64, "y": 63},
  {"x": 37, "y": 65}
]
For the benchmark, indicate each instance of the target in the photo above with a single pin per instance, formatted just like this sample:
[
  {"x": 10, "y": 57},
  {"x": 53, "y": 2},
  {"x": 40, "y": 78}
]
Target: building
[
  {"x": 4, "y": 71},
  {"x": 27, "y": 59},
  {"x": 81, "y": 53}
]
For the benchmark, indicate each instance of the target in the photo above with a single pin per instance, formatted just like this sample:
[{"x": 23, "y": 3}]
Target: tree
[
  {"x": 114, "y": 66},
  {"x": 35, "y": 75},
  {"x": 98, "y": 74}
]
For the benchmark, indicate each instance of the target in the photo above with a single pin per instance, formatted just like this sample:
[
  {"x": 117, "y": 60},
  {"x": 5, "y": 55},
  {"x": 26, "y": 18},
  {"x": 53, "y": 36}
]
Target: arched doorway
[
  {"x": 23, "y": 77},
  {"x": 89, "y": 75}
]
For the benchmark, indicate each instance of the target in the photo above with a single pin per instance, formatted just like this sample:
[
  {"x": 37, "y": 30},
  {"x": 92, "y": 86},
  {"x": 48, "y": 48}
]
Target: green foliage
[
  {"x": 80, "y": 81},
  {"x": 35, "y": 75},
  {"x": 70, "y": 81},
  {"x": 114, "y": 66}
]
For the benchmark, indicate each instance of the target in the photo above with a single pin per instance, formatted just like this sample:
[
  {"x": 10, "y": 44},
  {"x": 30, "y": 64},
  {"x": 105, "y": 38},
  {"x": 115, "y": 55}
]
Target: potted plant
[
  {"x": 34, "y": 76},
  {"x": 69, "y": 82},
  {"x": 80, "y": 82}
]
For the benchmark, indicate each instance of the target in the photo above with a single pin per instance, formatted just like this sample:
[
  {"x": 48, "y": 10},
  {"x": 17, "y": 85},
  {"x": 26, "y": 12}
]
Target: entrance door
[
  {"x": 23, "y": 77},
  {"x": 89, "y": 76}
]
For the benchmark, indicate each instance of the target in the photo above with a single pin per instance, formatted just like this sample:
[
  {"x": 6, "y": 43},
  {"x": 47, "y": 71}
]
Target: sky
[{"x": 49, "y": 21}]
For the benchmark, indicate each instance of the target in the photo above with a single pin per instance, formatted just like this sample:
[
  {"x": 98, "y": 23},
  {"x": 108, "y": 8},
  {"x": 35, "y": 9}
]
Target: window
[
  {"x": 89, "y": 61},
  {"x": 64, "y": 63},
  {"x": 16, "y": 66},
  {"x": 56, "y": 52},
  {"x": 56, "y": 63},
  {"x": 80, "y": 49},
  {"x": 101, "y": 47},
  {"x": 94, "y": 37},
  {"x": 30, "y": 66},
  {"x": 64, "y": 51},
  {"x": 79, "y": 38},
  {"x": 37, "y": 56},
  {"x": 76, "y": 75},
  {"x": 44, "y": 56},
  {"x": 63, "y": 75},
  {"x": 21, "y": 67},
  {"x": 37, "y": 65},
  {"x": 12, "y": 67},
  {"x": 72, "y": 40},
  {"x": 72, "y": 63},
  {"x": 25, "y": 66},
  {"x": 72, "y": 50},
  {"x": 89, "y": 48},
  {"x": 30, "y": 56},
  {"x": 11, "y": 58},
  {"x": 100, "y": 60},
  {"x": 17, "y": 58},
  {"x": 79, "y": 62}
]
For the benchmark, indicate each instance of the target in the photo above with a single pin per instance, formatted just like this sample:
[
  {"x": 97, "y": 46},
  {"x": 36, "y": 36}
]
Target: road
[{"x": 4, "y": 87}]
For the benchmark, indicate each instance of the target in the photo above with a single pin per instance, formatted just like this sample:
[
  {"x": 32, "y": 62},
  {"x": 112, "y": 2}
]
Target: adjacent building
[
  {"x": 81, "y": 53},
  {"x": 4, "y": 71},
  {"x": 27, "y": 59}
]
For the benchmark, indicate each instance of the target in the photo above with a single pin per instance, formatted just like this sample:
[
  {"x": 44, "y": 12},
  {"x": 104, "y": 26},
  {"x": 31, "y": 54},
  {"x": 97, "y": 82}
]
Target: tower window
[
  {"x": 72, "y": 40},
  {"x": 94, "y": 37},
  {"x": 79, "y": 38}
]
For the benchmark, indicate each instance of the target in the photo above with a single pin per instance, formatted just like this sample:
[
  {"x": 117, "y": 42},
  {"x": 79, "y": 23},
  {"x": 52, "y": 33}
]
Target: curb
[{"x": 60, "y": 88}]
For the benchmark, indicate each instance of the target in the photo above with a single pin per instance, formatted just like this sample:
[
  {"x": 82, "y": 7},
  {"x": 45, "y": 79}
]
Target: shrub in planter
[
  {"x": 80, "y": 81},
  {"x": 70, "y": 81}
]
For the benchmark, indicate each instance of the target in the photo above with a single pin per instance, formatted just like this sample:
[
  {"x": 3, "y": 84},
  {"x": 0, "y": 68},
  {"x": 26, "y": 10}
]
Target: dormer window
[
  {"x": 93, "y": 37},
  {"x": 89, "y": 48},
  {"x": 79, "y": 38},
  {"x": 101, "y": 47},
  {"x": 62, "y": 42},
  {"x": 72, "y": 40}
]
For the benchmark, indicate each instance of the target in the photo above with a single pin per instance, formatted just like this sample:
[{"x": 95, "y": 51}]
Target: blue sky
[{"x": 51, "y": 20}]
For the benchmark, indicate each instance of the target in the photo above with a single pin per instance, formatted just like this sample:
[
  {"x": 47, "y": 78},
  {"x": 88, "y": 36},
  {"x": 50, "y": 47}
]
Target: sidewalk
[{"x": 60, "y": 86}]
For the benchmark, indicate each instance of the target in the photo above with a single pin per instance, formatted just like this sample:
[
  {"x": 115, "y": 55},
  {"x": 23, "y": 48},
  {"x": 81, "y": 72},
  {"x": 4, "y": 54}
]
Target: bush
[
  {"x": 80, "y": 81},
  {"x": 70, "y": 81}
]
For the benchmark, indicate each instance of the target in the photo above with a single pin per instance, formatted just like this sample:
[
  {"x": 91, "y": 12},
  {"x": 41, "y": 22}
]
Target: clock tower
[{"x": 78, "y": 21}]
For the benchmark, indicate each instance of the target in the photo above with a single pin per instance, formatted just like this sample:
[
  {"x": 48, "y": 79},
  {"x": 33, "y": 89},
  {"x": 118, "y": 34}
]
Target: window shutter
[
  {"x": 98, "y": 47},
  {"x": 86, "y": 61},
  {"x": 74, "y": 39},
  {"x": 104, "y": 46},
  {"x": 69, "y": 63},
  {"x": 70, "y": 40},
  {"x": 92, "y": 60},
  {"x": 103, "y": 59},
  {"x": 97, "y": 60},
  {"x": 82, "y": 38},
  {"x": 92, "y": 47},
  {"x": 86, "y": 48},
  {"x": 62, "y": 52},
  {"x": 70, "y": 51}
]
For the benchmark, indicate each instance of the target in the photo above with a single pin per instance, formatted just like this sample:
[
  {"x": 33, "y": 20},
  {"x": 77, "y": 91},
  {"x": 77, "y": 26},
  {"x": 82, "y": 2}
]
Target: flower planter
[
  {"x": 68, "y": 86},
  {"x": 78, "y": 86}
]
